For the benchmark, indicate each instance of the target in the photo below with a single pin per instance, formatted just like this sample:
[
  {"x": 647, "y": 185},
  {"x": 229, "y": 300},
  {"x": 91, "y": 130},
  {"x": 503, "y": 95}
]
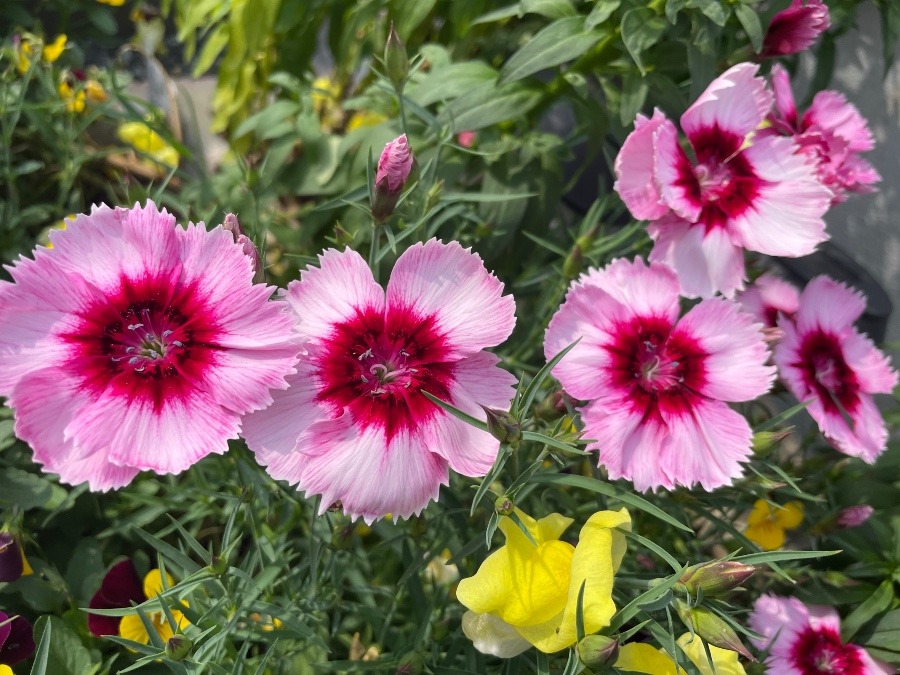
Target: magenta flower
[
  {"x": 795, "y": 29},
  {"x": 824, "y": 360},
  {"x": 831, "y": 133},
  {"x": 854, "y": 516},
  {"x": 768, "y": 297},
  {"x": 135, "y": 345},
  {"x": 738, "y": 192},
  {"x": 394, "y": 165},
  {"x": 806, "y": 640},
  {"x": 656, "y": 385},
  {"x": 354, "y": 425},
  {"x": 16, "y": 640}
]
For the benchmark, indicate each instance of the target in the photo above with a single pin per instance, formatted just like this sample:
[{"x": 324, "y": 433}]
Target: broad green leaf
[
  {"x": 450, "y": 82},
  {"x": 874, "y": 605},
  {"x": 26, "y": 490},
  {"x": 489, "y": 104},
  {"x": 634, "y": 93},
  {"x": 499, "y": 14},
  {"x": 641, "y": 29},
  {"x": 712, "y": 9},
  {"x": 212, "y": 48},
  {"x": 603, "y": 9},
  {"x": 552, "y": 9},
  {"x": 750, "y": 21},
  {"x": 561, "y": 41},
  {"x": 66, "y": 654}
]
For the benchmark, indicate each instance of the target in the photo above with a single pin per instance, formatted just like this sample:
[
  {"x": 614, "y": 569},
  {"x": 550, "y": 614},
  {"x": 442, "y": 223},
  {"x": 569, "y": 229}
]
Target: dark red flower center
[
  {"x": 152, "y": 339},
  {"x": 376, "y": 365},
  {"x": 827, "y": 374},
  {"x": 819, "y": 651},
  {"x": 656, "y": 364}
]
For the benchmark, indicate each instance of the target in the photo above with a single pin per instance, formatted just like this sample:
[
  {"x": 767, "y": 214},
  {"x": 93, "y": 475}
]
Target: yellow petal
[
  {"x": 790, "y": 515},
  {"x": 112, "y": 3},
  {"x": 55, "y": 49},
  {"x": 548, "y": 528},
  {"x": 132, "y": 628},
  {"x": 598, "y": 554},
  {"x": 5, "y": 670},
  {"x": 26, "y": 568},
  {"x": 724, "y": 661},
  {"x": 766, "y": 535},
  {"x": 153, "y": 584},
  {"x": 95, "y": 91},
  {"x": 762, "y": 511},
  {"x": 365, "y": 118},
  {"x": 640, "y": 657}
]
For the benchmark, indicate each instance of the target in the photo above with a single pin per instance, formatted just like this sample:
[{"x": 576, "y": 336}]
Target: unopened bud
[
  {"x": 598, "y": 651},
  {"x": 341, "y": 536},
  {"x": 765, "y": 441},
  {"x": 854, "y": 516},
  {"x": 178, "y": 647},
  {"x": 11, "y": 564},
  {"x": 712, "y": 629},
  {"x": 716, "y": 578},
  {"x": 231, "y": 224},
  {"x": 218, "y": 565},
  {"x": 394, "y": 165},
  {"x": 411, "y": 664},
  {"x": 503, "y": 426},
  {"x": 434, "y": 194},
  {"x": 341, "y": 235},
  {"x": 504, "y": 506},
  {"x": 396, "y": 63},
  {"x": 574, "y": 263}
]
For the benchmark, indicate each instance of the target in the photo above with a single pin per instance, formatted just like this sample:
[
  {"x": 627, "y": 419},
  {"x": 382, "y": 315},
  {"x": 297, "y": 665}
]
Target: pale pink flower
[
  {"x": 796, "y": 28},
  {"x": 354, "y": 426},
  {"x": 657, "y": 385},
  {"x": 738, "y": 191},
  {"x": 832, "y": 133},
  {"x": 823, "y": 359},
  {"x": 806, "y": 639},
  {"x": 136, "y": 345},
  {"x": 768, "y": 297}
]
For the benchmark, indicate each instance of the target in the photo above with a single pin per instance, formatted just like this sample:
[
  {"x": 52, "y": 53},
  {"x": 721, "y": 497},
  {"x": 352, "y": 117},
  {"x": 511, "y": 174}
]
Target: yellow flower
[
  {"x": 143, "y": 139},
  {"x": 132, "y": 628},
  {"x": 95, "y": 91},
  {"x": 6, "y": 670},
  {"x": 112, "y": 3},
  {"x": 74, "y": 98},
  {"x": 640, "y": 657},
  {"x": 766, "y": 524},
  {"x": 54, "y": 49},
  {"x": 23, "y": 56},
  {"x": 527, "y": 595},
  {"x": 364, "y": 118}
]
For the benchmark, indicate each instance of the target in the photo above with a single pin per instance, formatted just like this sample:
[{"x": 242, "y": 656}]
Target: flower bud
[
  {"x": 598, "y": 651},
  {"x": 232, "y": 225},
  {"x": 411, "y": 664},
  {"x": 396, "y": 63},
  {"x": 503, "y": 426},
  {"x": 504, "y": 506},
  {"x": 765, "y": 441},
  {"x": 716, "y": 578},
  {"x": 218, "y": 565},
  {"x": 393, "y": 171},
  {"x": 574, "y": 263},
  {"x": 178, "y": 647},
  {"x": 434, "y": 194},
  {"x": 342, "y": 536},
  {"x": 854, "y": 516},
  {"x": 712, "y": 629},
  {"x": 11, "y": 564},
  {"x": 795, "y": 29}
]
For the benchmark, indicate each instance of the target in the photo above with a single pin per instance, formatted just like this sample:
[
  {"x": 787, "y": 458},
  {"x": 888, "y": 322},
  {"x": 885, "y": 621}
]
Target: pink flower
[
  {"x": 739, "y": 191},
  {"x": 394, "y": 165},
  {"x": 768, "y": 297},
  {"x": 354, "y": 426},
  {"x": 854, "y": 516},
  {"x": 466, "y": 138},
  {"x": 135, "y": 345},
  {"x": 824, "y": 360},
  {"x": 656, "y": 385},
  {"x": 794, "y": 29},
  {"x": 831, "y": 133},
  {"x": 805, "y": 640}
]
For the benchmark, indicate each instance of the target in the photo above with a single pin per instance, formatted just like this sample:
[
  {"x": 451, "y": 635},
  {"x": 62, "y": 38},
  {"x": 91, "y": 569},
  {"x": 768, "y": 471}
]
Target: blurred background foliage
[{"x": 514, "y": 113}]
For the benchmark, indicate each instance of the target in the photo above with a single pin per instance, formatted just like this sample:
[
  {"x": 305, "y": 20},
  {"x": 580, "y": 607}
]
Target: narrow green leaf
[
  {"x": 552, "y": 442},
  {"x": 781, "y": 417},
  {"x": 766, "y": 557},
  {"x": 524, "y": 403},
  {"x": 658, "y": 550},
  {"x": 456, "y": 412},
  {"x": 43, "y": 653},
  {"x": 579, "y": 612},
  {"x": 172, "y": 553},
  {"x": 518, "y": 521},
  {"x": 872, "y": 606}
]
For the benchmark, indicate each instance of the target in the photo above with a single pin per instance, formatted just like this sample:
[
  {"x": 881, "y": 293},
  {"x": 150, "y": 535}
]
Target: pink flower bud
[
  {"x": 796, "y": 28},
  {"x": 231, "y": 224},
  {"x": 854, "y": 516},
  {"x": 466, "y": 138},
  {"x": 393, "y": 171}
]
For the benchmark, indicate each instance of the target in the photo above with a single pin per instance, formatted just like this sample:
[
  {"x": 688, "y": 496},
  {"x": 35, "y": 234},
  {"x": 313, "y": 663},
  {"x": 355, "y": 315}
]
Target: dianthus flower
[
  {"x": 824, "y": 360},
  {"x": 526, "y": 593},
  {"x": 831, "y": 133},
  {"x": 16, "y": 642},
  {"x": 806, "y": 640},
  {"x": 657, "y": 385},
  {"x": 354, "y": 425},
  {"x": 136, "y": 345},
  {"x": 768, "y": 297},
  {"x": 121, "y": 588},
  {"x": 738, "y": 192},
  {"x": 796, "y": 28},
  {"x": 766, "y": 525},
  {"x": 640, "y": 657}
]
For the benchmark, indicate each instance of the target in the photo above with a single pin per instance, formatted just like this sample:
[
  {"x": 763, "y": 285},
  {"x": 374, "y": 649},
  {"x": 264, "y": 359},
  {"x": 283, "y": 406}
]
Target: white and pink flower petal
[
  {"x": 635, "y": 172},
  {"x": 707, "y": 261},
  {"x": 784, "y": 217},
  {"x": 734, "y": 353},
  {"x": 831, "y": 111},
  {"x": 642, "y": 289},
  {"x": 829, "y": 305},
  {"x": 871, "y": 367},
  {"x": 675, "y": 175},
  {"x": 451, "y": 285},
  {"x": 733, "y": 105},
  {"x": 769, "y": 297},
  {"x": 785, "y": 107}
]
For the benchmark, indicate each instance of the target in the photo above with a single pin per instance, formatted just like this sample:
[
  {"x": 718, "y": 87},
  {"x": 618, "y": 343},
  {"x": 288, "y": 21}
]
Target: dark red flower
[
  {"x": 120, "y": 588},
  {"x": 16, "y": 640},
  {"x": 796, "y": 28}
]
